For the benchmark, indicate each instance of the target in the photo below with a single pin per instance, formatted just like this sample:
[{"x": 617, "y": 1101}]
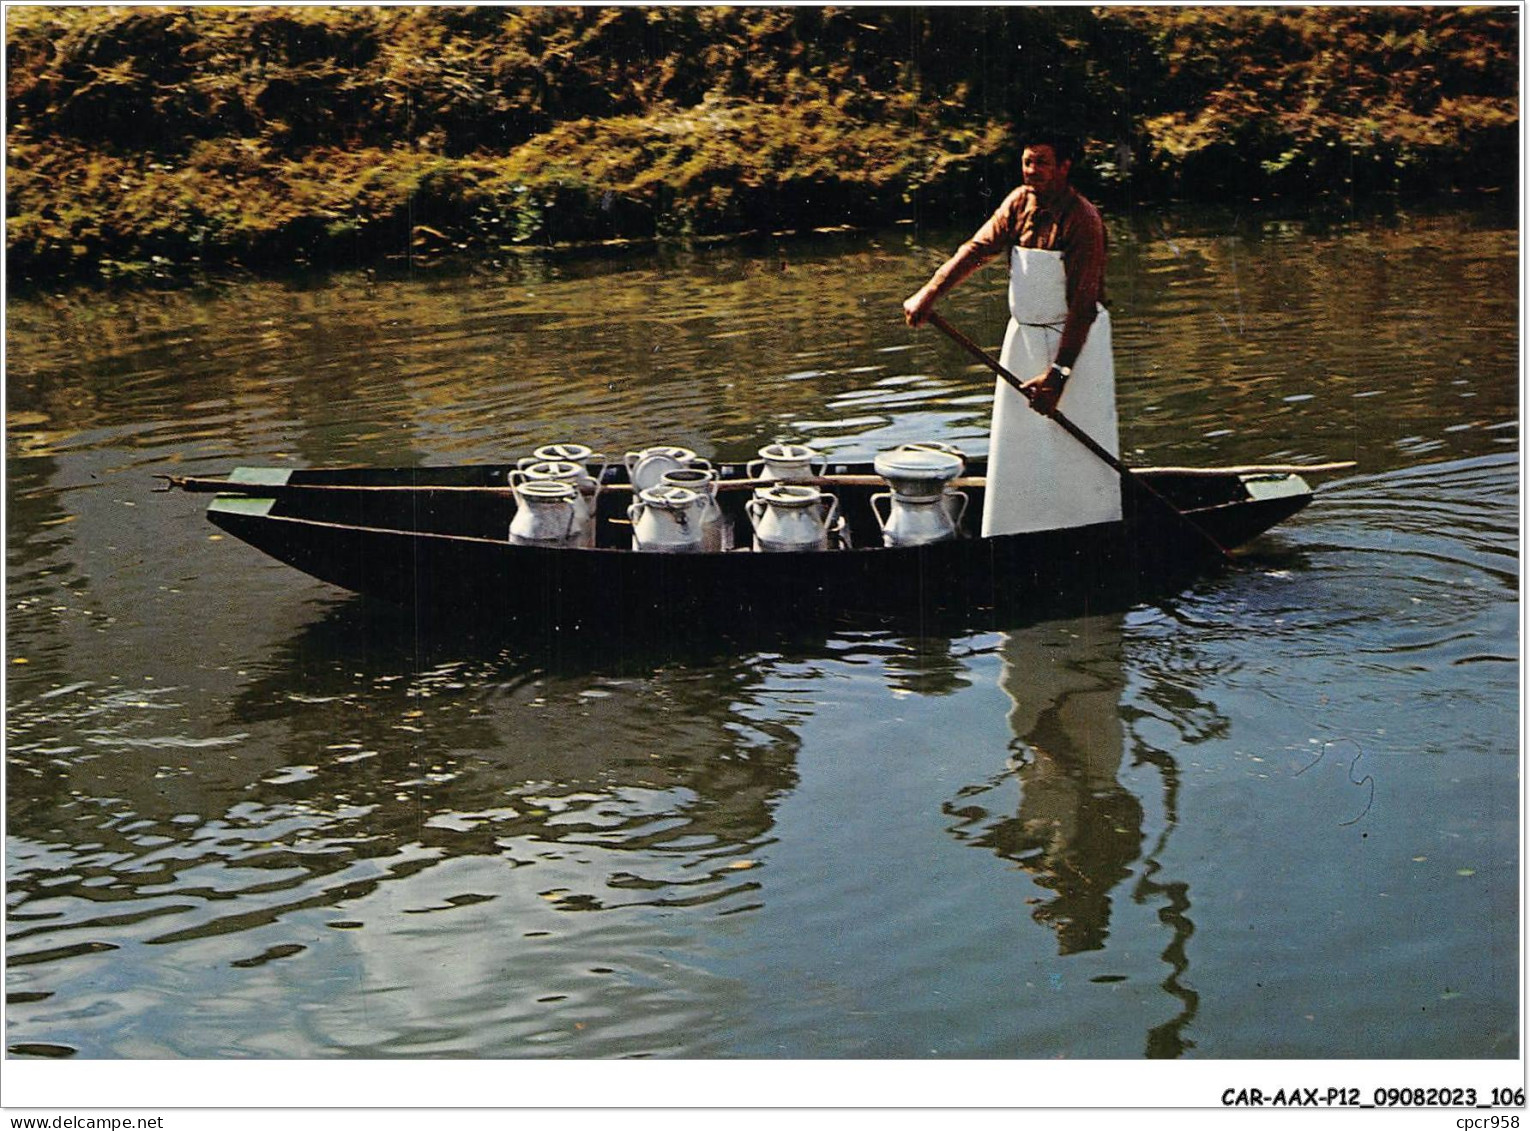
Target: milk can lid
[
  {"x": 672, "y": 451},
  {"x": 789, "y": 494},
  {"x": 668, "y": 495},
  {"x": 682, "y": 476},
  {"x": 564, "y": 451},
  {"x": 547, "y": 489},
  {"x": 788, "y": 451},
  {"x": 554, "y": 469},
  {"x": 918, "y": 463}
]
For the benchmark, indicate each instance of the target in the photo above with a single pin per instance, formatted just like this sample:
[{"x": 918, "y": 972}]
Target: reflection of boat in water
[
  {"x": 1078, "y": 831},
  {"x": 401, "y": 837},
  {"x": 437, "y": 539},
  {"x": 399, "y": 753},
  {"x": 654, "y": 753}
]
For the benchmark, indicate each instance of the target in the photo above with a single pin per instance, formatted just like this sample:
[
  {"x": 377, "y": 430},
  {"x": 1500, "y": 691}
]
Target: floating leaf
[{"x": 1466, "y": 871}]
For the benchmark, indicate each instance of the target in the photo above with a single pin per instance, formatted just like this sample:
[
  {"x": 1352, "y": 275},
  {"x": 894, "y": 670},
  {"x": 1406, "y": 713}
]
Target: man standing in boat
[{"x": 1039, "y": 477}]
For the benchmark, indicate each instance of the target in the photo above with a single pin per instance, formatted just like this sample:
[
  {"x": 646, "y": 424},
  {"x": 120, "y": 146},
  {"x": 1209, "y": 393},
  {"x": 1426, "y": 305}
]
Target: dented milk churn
[
  {"x": 716, "y": 531},
  {"x": 545, "y": 513},
  {"x": 792, "y": 517},
  {"x": 667, "y": 519},
  {"x": 573, "y": 474}
]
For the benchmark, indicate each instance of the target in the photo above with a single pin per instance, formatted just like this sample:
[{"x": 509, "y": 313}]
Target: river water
[{"x": 1273, "y": 815}]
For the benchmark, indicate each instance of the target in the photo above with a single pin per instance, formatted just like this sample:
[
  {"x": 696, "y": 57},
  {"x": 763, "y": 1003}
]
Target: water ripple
[{"x": 340, "y": 836}]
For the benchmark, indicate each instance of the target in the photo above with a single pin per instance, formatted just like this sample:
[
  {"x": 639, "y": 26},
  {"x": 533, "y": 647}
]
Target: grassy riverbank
[{"x": 147, "y": 141}]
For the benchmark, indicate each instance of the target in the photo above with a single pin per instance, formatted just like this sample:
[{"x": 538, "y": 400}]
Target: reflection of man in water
[{"x": 1078, "y": 830}]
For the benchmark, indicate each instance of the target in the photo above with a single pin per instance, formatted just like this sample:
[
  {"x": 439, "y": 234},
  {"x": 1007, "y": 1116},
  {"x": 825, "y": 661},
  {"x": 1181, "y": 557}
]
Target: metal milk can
[
  {"x": 575, "y": 475},
  {"x": 647, "y": 467},
  {"x": 788, "y": 517},
  {"x": 545, "y": 513},
  {"x": 787, "y": 461},
  {"x": 716, "y": 530},
  {"x": 667, "y": 520},
  {"x": 921, "y": 508}
]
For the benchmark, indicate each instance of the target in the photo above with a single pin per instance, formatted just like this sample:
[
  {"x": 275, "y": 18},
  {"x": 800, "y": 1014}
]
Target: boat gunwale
[{"x": 199, "y": 484}]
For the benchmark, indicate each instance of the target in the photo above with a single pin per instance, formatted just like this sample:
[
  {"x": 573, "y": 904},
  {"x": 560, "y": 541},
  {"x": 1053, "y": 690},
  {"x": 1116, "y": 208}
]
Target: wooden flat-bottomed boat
[{"x": 437, "y": 539}]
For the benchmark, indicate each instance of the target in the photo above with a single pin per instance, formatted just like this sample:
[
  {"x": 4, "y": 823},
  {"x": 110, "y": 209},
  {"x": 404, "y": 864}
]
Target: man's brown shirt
[{"x": 1074, "y": 228}]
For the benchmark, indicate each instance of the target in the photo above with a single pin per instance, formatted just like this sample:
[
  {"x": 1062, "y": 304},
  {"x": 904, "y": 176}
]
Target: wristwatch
[{"x": 1063, "y": 372}]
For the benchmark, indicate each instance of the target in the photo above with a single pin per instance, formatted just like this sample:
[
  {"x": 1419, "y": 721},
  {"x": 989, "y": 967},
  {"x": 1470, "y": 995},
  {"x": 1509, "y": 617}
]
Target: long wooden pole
[
  {"x": 1075, "y": 431},
  {"x": 196, "y": 484},
  {"x": 200, "y": 485}
]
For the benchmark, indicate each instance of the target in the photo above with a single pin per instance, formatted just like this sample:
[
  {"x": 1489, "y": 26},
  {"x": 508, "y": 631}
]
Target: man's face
[{"x": 1042, "y": 171}]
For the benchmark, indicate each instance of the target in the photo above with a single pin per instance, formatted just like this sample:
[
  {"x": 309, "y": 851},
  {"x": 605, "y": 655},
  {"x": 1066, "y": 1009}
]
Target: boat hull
[{"x": 425, "y": 542}]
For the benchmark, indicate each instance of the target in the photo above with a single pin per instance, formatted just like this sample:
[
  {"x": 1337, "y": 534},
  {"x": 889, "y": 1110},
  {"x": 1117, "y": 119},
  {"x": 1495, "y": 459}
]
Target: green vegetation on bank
[{"x": 149, "y": 139}]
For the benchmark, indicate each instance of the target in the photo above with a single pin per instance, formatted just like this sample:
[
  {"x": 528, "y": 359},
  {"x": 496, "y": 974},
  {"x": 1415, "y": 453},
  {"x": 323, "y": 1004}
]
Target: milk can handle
[
  {"x": 517, "y": 477},
  {"x": 882, "y": 522},
  {"x": 600, "y": 476},
  {"x": 823, "y": 464},
  {"x": 634, "y": 513},
  {"x": 753, "y": 468},
  {"x": 961, "y": 508},
  {"x": 834, "y": 524},
  {"x": 755, "y": 508}
]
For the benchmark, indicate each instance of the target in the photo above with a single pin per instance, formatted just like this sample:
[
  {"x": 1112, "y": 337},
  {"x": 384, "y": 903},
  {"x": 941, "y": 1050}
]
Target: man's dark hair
[{"x": 1065, "y": 147}]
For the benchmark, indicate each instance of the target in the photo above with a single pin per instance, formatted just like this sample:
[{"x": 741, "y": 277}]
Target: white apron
[{"x": 1039, "y": 477}]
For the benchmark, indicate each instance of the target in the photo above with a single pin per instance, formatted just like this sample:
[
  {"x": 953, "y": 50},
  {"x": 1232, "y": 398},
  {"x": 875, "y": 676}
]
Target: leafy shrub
[{"x": 265, "y": 135}]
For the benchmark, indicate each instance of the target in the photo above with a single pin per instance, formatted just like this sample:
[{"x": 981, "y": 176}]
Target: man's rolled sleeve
[
  {"x": 1083, "y": 249},
  {"x": 995, "y": 236}
]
